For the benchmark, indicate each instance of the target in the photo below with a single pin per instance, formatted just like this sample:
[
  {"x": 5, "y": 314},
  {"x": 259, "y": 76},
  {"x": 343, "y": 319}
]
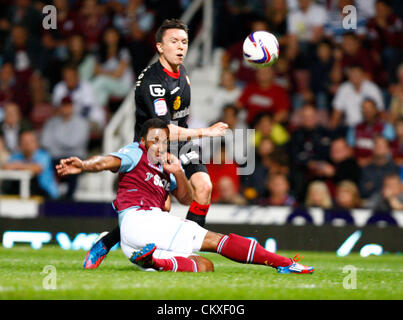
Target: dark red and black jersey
[{"x": 162, "y": 94}]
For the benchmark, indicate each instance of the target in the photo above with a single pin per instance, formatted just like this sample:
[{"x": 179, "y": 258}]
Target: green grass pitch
[{"x": 21, "y": 277}]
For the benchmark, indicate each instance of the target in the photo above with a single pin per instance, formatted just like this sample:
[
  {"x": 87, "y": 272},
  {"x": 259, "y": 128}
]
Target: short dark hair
[
  {"x": 153, "y": 123},
  {"x": 170, "y": 24}
]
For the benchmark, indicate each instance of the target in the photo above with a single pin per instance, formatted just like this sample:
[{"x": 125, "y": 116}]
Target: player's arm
[
  {"x": 74, "y": 165},
  {"x": 183, "y": 191},
  {"x": 177, "y": 133}
]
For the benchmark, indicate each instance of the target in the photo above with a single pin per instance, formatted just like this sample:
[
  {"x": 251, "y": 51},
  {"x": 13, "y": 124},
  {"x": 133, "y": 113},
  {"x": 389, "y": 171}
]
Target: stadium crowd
[{"x": 328, "y": 116}]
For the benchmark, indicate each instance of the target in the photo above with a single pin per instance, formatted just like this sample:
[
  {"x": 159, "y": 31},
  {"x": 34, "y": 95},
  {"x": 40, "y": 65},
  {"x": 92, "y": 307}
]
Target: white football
[{"x": 261, "y": 49}]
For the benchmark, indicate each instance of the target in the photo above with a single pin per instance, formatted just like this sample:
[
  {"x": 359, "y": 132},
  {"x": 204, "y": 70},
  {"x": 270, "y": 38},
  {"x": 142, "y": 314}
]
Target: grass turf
[{"x": 21, "y": 278}]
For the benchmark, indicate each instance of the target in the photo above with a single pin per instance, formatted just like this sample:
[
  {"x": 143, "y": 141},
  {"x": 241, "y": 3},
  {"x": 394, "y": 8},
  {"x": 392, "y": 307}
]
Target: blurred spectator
[
  {"x": 396, "y": 104},
  {"x": 390, "y": 197},
  {"x": 310, "y": 145},
  {"x": 347, "y": 196},
  {"x": 66, "y": 21},
  {"x": 141, "y": 49},
  {"x": 397, "y": 144},
  {"x": 269, "y": 160},
  {"x": 265, "y": 126},
  {"x": 7, "y": 83},
  {"x": 42, "y": 110},
  {"x": 305, "y": 29},
  {"x": 282, "y": 69},
  {"x": 83, "y": 95},
  {"x": 265, "y": 96},
  {"x": 228, "y": 193},
  {"x": 22, "y": 50},
  {"x": 78, "y": 55},
  {"x": 279, "y": 191},
  {"x": 24, "y": 53},
  {"x": 318, "y": 195},
  {"x": 12, "y": 126},
  {"x": 134, "y": 11},
  {"x": 361, "y": 137},
  {"x": 230, "y": 116},
  {"x": 4, "y": 153},
  {"x": 320, "y": 74},
  {"x": 385, "y": 33},
  {"x": 227, "y": 93},
  {"x": 33, "y": 159},
  {"x": 342, "y": 166},
  {"x": 353, "y": 53},
  {"x": 334, "y": 28},
  {"x": 349, "y": 98},
  {"x": 66, "y": 124},
  {"x": 233, "y": 57},
  {"x": 22, "y": 12},
  {"x": 277, "y": 12},
  {"x": 91, "y": 23},
  {"x": 113, "y": 72},
  {"x": 381, "y": 165},
  {"x": 218, "y": 168}
]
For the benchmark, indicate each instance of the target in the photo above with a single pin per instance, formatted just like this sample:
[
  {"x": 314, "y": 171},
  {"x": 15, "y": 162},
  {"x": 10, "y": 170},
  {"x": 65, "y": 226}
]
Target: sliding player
[
  {"x": 163, "y": 91},
  {"x": 152, "y": 238}
]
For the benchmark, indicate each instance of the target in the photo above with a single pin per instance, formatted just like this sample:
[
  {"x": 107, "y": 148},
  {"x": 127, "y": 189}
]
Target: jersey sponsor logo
[
  {"x": 177, "y": 103},
  {"x": 160, "y": 107},
  {"x": 157, "y": 90},
  {"x": 158, "y": 181},
  {"x": 180, "y": 114},
  {"x": 175, "y": 90}
]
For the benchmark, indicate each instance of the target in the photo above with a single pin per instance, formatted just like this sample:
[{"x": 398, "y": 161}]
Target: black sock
[
  {"x": 197, "y": 213},
  {"x": 200, "y": 220},
  {"x": 112, "y": 238}
]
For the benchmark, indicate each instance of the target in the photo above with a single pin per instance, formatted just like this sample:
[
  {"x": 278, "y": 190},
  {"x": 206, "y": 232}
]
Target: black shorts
[
  {"x": 192, "y": 168},
  {"x": 196, "y": 165}
]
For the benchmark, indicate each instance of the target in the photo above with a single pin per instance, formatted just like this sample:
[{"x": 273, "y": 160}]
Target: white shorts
[{"x": 172, "y": 235}]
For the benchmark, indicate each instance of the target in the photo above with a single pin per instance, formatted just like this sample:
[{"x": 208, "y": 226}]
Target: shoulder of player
[
  {"x": 131, "y": 147},
  {"x": 149, "y": 75}
]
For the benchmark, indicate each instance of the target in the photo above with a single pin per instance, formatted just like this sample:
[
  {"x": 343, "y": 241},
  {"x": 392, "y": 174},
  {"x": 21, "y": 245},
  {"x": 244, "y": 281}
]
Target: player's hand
[
  {"x": 72, "y": 165},
  {"x": 216, "y": 130},
  {"x": 171, "y": 164}
]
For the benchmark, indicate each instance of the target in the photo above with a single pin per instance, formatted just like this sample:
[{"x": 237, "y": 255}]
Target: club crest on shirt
[
  {"x": 160, "y": 107},
  {"x": 177, "y": 103}
]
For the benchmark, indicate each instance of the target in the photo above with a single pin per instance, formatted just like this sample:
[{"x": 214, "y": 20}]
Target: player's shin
[{"x": 245, "y": 250}]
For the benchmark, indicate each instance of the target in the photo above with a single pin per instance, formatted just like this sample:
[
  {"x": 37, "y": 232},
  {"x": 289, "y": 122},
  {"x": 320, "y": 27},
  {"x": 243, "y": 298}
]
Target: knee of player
[
  {"x": 204, "y": 189},
  {"x": 205, "y": 265}
]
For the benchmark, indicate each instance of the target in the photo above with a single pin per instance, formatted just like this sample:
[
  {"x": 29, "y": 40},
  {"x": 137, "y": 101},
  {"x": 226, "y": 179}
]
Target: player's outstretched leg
[
  {"x": 245, "y": 250},
  {"x": 100, "y": 248},
  {"x": 144, "y": 258}
]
